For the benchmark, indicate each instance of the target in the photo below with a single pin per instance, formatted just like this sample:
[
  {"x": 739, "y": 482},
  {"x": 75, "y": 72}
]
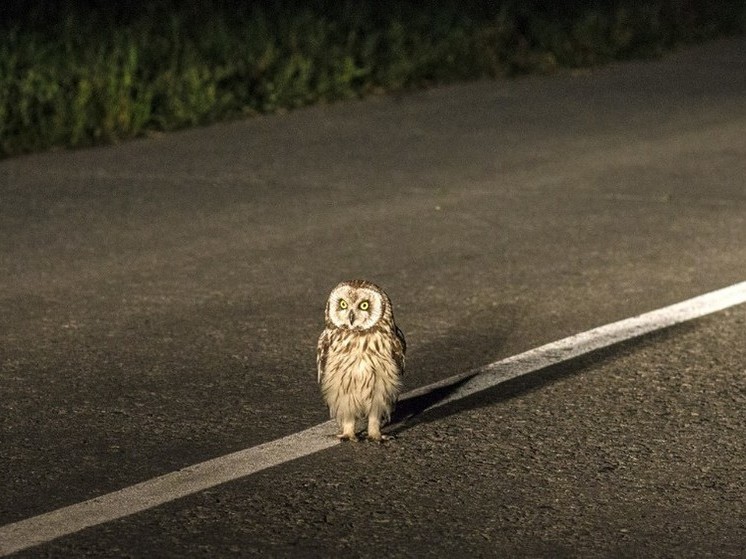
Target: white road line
[
  {"x": 169, "y": 487},
  {"x": 565, "y": 349}
]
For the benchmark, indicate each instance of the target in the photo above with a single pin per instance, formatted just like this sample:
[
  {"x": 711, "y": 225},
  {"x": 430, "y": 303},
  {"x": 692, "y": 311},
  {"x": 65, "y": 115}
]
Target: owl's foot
[
  {"x": 347, "y": 428},
  {"x": 374, "y": 429},
  {"x": 379, "y": 438}
]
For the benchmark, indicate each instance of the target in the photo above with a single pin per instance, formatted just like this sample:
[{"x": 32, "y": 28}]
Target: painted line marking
[
  {"x": 198, "y": 477},
  {"x": 568, "y": 348}
]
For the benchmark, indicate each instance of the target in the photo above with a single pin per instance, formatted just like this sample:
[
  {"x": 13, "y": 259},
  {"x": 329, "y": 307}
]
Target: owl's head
[{"x": 357, "y": 305}]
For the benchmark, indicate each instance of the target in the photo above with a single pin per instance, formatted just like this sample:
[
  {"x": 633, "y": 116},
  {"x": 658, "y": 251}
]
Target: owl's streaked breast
[{"x": 360, "y": 374}]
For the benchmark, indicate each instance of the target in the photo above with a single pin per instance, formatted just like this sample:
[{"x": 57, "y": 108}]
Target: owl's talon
[
  {"x": 347, "y": 437},
  {"x": 380, "y": 439}
]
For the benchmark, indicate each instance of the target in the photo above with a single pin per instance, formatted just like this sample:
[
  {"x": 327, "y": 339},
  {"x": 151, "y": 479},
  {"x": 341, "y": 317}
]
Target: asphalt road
[{"x": 160, "y": 302}]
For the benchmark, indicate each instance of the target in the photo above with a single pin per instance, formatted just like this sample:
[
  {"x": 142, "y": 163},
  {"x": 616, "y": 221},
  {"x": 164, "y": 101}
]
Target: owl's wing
[
  {"x": 322, "y": 349},
  {"x": 400, "y": 348}
]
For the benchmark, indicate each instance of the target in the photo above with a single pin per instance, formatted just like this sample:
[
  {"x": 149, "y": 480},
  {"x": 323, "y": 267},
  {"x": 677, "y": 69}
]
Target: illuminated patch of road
[{"x": 169, "y": 487}]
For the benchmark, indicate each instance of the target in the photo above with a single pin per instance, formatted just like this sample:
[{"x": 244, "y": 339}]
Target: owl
[{"x": 360, "y": 358}]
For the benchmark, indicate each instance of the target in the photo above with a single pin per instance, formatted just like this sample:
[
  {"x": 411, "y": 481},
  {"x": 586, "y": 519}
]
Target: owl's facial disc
[{"x": 355, "y": 308}]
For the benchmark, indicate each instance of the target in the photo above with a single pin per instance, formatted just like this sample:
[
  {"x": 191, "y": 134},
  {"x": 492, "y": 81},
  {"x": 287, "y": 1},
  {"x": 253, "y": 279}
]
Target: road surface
[{"x": 161, "y": 299}]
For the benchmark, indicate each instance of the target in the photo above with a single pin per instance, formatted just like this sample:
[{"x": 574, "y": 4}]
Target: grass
[{"x": 82, "y": 73}]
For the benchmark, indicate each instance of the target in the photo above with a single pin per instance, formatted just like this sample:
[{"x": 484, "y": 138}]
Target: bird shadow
[{"x": 428, "y": 407}]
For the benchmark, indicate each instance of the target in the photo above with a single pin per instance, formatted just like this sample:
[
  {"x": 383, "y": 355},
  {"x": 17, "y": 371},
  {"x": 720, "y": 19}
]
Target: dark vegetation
[{"x": 80, "y": 73}]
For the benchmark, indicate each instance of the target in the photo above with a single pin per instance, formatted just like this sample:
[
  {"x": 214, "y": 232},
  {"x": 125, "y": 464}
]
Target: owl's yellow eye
[
  {"x": 364, "y": 306},
  {"x": 342, "y": 304}
]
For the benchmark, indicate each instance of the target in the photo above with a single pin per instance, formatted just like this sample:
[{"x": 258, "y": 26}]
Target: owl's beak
[{"x": 352, "y": 318}]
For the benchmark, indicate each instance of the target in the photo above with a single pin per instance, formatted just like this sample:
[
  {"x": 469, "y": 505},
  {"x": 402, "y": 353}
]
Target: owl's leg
[
  {"x": 348, "y": 429},
  {"x": 374, "y": 429}
]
